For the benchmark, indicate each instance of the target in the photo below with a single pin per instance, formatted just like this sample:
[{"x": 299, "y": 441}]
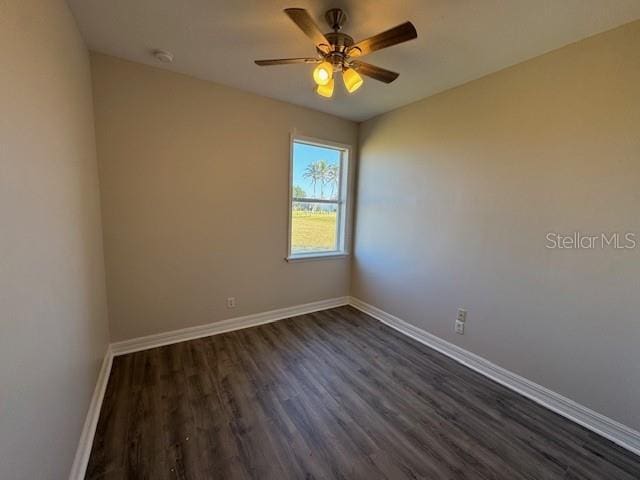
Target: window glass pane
[
  {"x": 316, "y": 172},
  {"x": 314, "y": 227}
]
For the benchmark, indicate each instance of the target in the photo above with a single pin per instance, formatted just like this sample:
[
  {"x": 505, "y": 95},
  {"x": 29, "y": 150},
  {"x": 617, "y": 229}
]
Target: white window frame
[{"x": 343, "y": 201}]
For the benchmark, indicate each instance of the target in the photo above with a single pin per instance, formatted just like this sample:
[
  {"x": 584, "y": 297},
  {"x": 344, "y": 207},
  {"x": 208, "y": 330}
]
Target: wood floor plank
[{"x": 332, "y": 394}]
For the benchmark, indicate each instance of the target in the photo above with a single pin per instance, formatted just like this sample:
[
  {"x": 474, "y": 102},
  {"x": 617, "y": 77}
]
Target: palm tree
[
  {"x": 323, "y": 171},
  {"x": 332, "y": 178},
  {"x": 311, "y": 172},
  {"x": 318, "y": 172}
]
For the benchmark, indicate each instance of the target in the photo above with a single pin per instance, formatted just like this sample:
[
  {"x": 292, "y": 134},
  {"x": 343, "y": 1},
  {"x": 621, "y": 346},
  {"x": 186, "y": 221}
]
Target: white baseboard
[
  {"x": 81, "y": 460},
  {"x": 616, "y": 432},
  {"x": 175, "y": 336},
  {"x": 608, "y": 428}
]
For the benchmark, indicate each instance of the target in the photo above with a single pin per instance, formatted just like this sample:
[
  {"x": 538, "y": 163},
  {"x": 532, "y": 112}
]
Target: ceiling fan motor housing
[{"x": 339, "y": 42}]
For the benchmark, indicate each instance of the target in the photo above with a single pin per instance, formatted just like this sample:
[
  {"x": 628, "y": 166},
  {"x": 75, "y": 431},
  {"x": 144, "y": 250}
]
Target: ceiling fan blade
[
  {"x": 388, "y": 38},
  {"x": 377, "y": 73},
  {"x": 285, "y": 61},
  {"x": 304, "y": 21}
]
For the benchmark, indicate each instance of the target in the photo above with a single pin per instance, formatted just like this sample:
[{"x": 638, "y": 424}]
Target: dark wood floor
[{"x": 333, "y": 394}]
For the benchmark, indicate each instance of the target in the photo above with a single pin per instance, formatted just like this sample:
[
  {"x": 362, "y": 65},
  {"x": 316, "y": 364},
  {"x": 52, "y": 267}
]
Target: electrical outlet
[
  {"x": 459, "y": 328},
  {"x": 462, "y": 315},
  {"x": 231, "y": 302}
]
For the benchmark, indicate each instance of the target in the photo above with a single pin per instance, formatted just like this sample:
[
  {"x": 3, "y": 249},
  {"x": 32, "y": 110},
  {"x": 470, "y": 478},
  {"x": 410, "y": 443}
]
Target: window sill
[{"x": 316, "y": 256}]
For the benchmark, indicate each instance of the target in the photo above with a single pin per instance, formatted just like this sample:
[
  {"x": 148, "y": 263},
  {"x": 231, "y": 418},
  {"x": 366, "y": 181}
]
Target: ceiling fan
[{"x": 337, "y": 52}]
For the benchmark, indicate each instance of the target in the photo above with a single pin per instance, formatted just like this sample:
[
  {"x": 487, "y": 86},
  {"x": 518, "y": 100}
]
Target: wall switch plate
[
  {"x": 231, "y": 302},
  {"x": 459, "y": 328},
  {"x": 462, "y": 315}
]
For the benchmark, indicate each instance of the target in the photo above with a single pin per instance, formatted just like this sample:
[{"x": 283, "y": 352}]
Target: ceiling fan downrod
[{"x": 336, "y": 18}]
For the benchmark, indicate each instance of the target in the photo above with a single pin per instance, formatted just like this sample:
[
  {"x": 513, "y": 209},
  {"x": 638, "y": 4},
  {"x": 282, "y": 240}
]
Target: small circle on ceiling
[{"x": 163, "y": 56}]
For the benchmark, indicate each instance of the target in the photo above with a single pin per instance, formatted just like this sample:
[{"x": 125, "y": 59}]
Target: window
[{"x": 318, "y": 199}]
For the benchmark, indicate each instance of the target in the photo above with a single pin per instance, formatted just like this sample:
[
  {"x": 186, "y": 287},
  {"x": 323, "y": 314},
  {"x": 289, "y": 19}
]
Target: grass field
[{"x": 313, "y": 231}]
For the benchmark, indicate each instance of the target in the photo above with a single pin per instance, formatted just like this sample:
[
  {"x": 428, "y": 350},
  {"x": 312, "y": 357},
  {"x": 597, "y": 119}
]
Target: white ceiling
[{"x": 458, "y": 41}]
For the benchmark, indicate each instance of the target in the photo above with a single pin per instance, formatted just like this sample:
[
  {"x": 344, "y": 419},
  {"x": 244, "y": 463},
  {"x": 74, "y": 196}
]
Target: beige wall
[
  {"x": 194, "y": 180},
  {"x": 457, "y": 193},
  {"x": 53, "y": 319}
]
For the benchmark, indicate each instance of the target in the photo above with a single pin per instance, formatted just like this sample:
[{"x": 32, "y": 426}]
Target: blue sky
[{"x": 303, "y": 156}]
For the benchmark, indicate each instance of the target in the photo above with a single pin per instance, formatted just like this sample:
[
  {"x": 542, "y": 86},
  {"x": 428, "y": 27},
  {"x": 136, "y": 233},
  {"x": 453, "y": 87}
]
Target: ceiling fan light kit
[
  {"x": 323, "y": 73},
  {"x": 337, "y": 51},
  {"x": 352, "y": 80},
  {"x": 326, "y": 90}
]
